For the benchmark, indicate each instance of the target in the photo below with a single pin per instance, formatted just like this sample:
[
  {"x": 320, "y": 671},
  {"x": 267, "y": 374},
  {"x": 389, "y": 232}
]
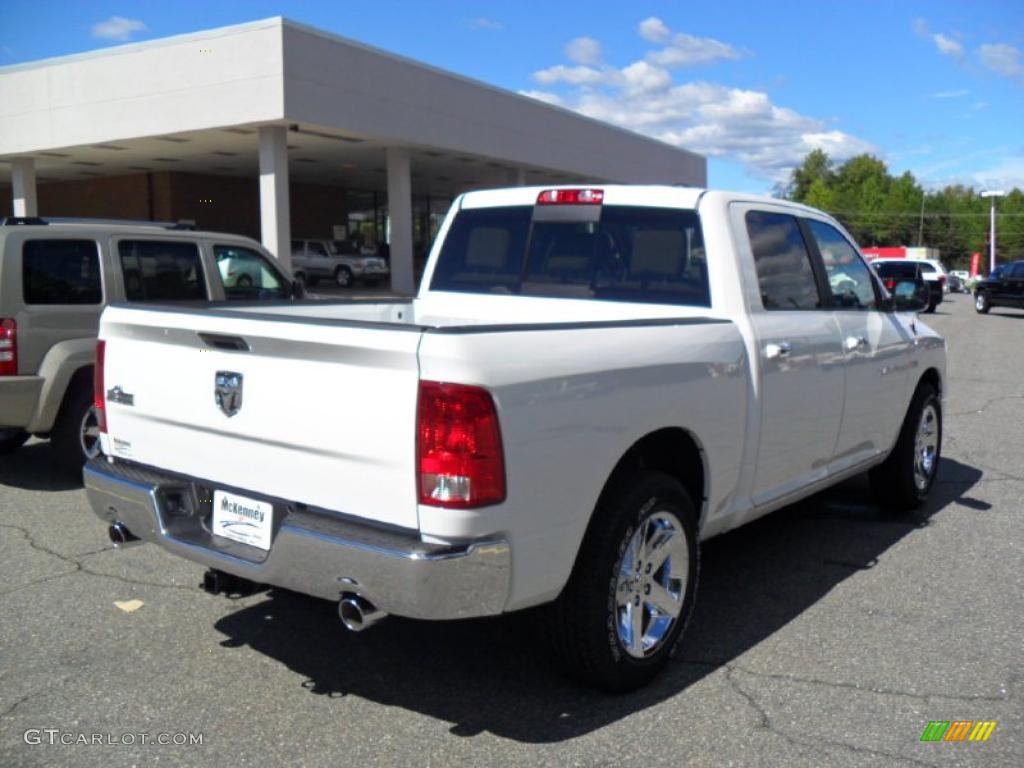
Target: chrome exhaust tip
[
  {"x": 357, "y": 613},
  {"x": 121, "y": 537}
]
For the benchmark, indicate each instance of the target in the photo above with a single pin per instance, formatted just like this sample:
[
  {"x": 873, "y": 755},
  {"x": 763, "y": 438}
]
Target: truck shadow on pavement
[
  {"x": 492, "y": 674},
  {"x": 33, "y": 467}
]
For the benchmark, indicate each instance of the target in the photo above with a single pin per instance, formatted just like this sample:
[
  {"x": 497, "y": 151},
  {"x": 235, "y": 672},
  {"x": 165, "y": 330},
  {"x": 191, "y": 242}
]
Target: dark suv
[{"x": 1003, "y": 288}]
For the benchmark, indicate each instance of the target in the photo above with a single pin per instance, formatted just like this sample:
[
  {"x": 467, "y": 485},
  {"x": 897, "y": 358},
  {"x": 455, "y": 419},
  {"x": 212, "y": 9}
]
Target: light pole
[{"x": 992, "y": 227}]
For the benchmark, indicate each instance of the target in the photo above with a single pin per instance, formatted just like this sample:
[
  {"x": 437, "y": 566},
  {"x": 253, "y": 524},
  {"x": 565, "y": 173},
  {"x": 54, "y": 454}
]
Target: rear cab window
[
  {"x": 61, "y": 272},
  {"x": 160, "y": 270},
  {"x": 613, "y": 253},
  {"x": 785, "y": 275}
]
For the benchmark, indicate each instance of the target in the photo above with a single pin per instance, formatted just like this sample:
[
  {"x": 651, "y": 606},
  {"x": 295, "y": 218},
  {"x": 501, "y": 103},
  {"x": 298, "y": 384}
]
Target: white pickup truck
[{"x": 590, "y": 382}]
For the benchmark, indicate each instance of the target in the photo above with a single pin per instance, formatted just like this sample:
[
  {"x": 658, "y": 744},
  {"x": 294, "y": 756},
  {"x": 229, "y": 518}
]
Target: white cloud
[
  {"x": 1002, "y": 59},
  {"x": 583, "y": 50},
  {"x": 958, "y": 94},
  {"x": 706, "y": 117},
  {"x": 684, "y": 50},
  {"x": 1007, "y": 174},
  {"x": 945, "y": 44},
  {"x": 546, "y": 96},
  {"x": 117, "y": 28},
  {"x": 579, "y": 75},
  {"x": 482, "y": 22},
  {"x": 654, "y": 30},
  {"x": 948, "y": 46}
]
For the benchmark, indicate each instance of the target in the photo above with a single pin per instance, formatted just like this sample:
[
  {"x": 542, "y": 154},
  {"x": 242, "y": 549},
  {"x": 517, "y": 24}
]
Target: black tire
[
  {"x": 66, "y": 437},
  {"x": 343, "y": 277},
  {"x": 12, "y": 438},
  {"x": 585, "y": 625},
  {"x": 931, "y": 307},
  {"x": 896, "y": 483},
  {"x": 981, "y": 303}
]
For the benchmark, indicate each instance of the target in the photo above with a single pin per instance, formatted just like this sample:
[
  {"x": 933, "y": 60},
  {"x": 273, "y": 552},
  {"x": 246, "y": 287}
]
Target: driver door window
[
  {"x": 246, "y": 274},
  {"x": 849, "y": 278}
]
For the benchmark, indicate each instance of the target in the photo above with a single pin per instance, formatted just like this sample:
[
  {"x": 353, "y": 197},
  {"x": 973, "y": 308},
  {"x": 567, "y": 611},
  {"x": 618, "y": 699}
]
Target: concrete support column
[
  {"x": 400, "y": 215},
  {"x": 23, "y": 183},
  {"x": 275, "y": 212},
  {"x": 517, "y": 177}
]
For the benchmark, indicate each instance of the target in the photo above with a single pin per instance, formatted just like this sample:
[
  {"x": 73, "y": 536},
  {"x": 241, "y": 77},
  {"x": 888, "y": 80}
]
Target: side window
[
  {"x": 161, "y": 271},
  {"x": 849, "y": 278},
  {"x": 1017, "y": 270},
  {"x": 784, "y": 271},
  {"x": 246, "y": 274},
  {"x": 317, "y": 249},
  {"x": 61, "y": 272},
  {"x": 297, "y": 247}
]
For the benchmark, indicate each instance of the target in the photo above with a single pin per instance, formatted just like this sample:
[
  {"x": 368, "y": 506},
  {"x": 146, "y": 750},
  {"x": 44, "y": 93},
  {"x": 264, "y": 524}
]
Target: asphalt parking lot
[{"x": 824, "y": 635}]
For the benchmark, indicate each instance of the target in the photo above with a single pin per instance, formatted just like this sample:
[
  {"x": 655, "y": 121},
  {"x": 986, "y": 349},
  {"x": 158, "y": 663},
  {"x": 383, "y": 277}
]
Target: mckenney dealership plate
[{"x": 242, "y": 519}]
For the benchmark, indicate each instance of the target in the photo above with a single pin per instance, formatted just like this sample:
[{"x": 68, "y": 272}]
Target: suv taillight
[
  {"x": 8, "y": 347},
  {"x": 460, "y": 463},
  {"x": 97, "y": 386}
]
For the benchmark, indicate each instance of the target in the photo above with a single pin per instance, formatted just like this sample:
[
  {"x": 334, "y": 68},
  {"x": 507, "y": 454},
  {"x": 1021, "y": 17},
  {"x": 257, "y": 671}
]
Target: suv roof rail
[
  {"x": 10, "y": 221},
  {"x": 188, "y": 224}
]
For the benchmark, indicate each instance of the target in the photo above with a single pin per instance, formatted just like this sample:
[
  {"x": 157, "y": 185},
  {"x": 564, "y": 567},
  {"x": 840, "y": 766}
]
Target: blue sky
[{"x": 936, "y": 88}]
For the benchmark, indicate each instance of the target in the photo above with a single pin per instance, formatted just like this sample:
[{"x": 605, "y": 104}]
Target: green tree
[{"x": 816, "y": 167}]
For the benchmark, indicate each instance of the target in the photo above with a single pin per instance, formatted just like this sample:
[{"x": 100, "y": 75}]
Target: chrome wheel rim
[
  {"x": 89, "y": 434},
  {"x": 343, "y": 278},
  {"x": 651, "y": 581},
  {"x": 979, "y": 302},
  {"x": 926, "y": 446}
]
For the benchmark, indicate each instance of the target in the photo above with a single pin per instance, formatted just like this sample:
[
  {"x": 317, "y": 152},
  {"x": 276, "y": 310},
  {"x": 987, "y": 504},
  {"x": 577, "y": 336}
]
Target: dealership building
[{"x": 280, "y": 131}]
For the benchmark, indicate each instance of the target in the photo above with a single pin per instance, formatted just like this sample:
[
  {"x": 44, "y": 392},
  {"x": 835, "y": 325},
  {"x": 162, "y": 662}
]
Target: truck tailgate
[{"x": 326, "y": 414}]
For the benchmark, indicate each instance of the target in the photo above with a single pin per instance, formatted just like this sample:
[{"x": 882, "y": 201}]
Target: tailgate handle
[{"x": 228, "y": 343}]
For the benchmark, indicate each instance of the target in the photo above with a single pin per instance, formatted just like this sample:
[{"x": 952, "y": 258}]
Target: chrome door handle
[
  {"x": 781, "y": 349},
  {"x": 855, "y": 342}
]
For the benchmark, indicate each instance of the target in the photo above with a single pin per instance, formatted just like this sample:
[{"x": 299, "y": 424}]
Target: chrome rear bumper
[{"x": 315, "y": 552}]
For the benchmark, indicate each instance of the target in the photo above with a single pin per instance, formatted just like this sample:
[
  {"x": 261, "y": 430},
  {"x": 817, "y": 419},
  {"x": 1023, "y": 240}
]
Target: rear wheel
[
  {"x": 12, "y": 438},
  {"x": 931, "y": 306},
  {"x": 902, "y": 482},
  {"x": 631, "y": 593},
  {"x": 76, "y": 435},
  {"x": 343, "y": 277},
  {"x": 981, "y": 305}
]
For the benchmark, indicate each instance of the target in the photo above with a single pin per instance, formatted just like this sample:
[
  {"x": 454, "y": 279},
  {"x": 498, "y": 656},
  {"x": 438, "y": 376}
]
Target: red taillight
[
  {"x": 8, "y": 347},
  {"x": 459, "y": 458},
  {"x": 571, "y": 197},
  {"x": 890, "y": 284},
  {"x": 942, "y": 279},
  {"x": 97, "y": 385}
]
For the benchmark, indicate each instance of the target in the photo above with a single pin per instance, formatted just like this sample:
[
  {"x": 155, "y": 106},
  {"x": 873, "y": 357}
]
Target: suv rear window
[
  {"x": 638, "y": 254},
  {"x": 897, "y": 269},
  {"x": 61, "y": 272},
  {"x": 157, "y": 270}
]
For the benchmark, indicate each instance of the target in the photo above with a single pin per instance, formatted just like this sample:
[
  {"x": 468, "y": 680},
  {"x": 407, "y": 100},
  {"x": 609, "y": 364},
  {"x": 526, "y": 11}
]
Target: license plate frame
[{"x": 243, "y": 519}]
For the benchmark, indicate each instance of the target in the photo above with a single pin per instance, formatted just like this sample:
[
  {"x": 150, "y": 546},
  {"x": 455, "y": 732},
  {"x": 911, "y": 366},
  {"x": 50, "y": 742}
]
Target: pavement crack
[
  {"x": 79, "y": 566},
  {"x": 924, "y": 696},
  {"x": 768, "y": 725}
]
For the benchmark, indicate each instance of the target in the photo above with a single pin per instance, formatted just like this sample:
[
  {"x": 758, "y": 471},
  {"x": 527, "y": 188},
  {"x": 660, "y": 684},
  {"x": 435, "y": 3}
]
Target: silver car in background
[{"x": 316, "y": 260}]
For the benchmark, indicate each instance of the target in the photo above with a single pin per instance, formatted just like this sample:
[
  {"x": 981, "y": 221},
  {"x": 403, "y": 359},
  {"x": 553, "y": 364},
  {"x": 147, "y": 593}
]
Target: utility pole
[
  {"x": 920, "y": 223},
  {"x": 993, "y": 194}
]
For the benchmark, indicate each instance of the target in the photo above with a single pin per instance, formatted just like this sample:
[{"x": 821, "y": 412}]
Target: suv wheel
[
  {"x": 981, "y": 305},
  {"x": 75, "y": 436},
  {"x": 619, "y": 618},
  {"x": 12, "y": 438},
  {"x": 343, "y": 277}
]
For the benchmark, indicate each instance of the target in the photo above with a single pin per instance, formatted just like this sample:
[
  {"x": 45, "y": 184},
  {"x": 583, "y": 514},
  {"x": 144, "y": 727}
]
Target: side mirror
[
  {"x": 909, "y": 296},
  {"x": 298, "y": 290}
]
